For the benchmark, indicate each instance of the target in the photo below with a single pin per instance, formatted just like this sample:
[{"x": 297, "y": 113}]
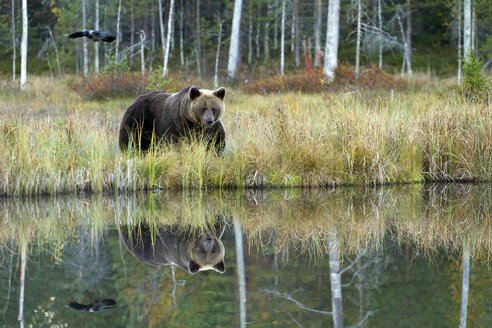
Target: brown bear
[
  {"x": 175, "y": 245},
  {"x": 161, "y": 116}
]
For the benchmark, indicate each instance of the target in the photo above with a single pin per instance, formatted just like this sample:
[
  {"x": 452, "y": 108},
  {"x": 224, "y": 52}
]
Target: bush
[
  {"x": 312, "y": 80},
  {"x": 475, "y": 86},
  {"x": 111, "y": 85},
  {"x": 169, "y": 83}
]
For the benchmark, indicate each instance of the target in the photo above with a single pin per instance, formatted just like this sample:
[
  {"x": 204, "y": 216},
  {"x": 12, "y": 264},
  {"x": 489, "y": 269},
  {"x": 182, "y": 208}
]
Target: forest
[{"x": 375, "y": 32}]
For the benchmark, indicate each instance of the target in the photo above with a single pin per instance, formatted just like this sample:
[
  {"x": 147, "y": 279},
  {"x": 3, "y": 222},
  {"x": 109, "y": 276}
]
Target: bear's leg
[{"x": 137, "y": 128}]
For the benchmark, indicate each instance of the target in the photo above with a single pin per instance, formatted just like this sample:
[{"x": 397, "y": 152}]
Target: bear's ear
[
  {"x": 193, "y": 267},
  {"x": 220, "y": 93},
  {"x": 194, "y": 92},
  {"x": 220, "y": 267}
]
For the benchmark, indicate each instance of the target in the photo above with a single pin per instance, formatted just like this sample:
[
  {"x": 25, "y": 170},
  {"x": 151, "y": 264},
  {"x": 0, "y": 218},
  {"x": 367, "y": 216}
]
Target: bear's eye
[
  {"x": 204, "y": 110},
  {"x": 214, "y": 110}
]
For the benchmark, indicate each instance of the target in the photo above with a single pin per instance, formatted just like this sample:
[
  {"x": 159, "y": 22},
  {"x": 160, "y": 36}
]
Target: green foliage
[
  {"x": 475, "y": 85},
  {"x": 158, "y": 82},
  {"x": 115, "y": 66}
]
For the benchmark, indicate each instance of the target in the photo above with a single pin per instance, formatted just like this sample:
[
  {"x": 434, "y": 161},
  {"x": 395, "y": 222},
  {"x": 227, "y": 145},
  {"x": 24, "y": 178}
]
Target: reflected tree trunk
[
  {"x": 240, "y": 274},
  {"x": 465, "y": 285},
  {"x": 23, "y": 250},
  {"x": 335, "y": 281}
]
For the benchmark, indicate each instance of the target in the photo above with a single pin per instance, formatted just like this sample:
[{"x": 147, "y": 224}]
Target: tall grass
[{"x": 52, "y": 141}]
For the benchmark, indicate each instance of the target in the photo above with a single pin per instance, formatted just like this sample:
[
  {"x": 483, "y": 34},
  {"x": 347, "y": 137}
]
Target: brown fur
[{"x": 192, "y": 112}]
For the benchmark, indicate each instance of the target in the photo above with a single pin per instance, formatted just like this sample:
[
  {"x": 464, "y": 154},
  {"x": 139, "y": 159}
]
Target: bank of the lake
[{"x": 53, "y": 141}]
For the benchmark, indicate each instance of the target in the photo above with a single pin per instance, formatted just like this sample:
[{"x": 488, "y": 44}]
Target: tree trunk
[
  {"x": 56, "y": 50},
  {"x": 118, "y": 18},
  {"x": 473, "y": 30},
  {"x": 142, "y": 52},
  {"x": 241, "y": 276},
  {"x": 409, "y": 37},
  {"x": 250, "y": 38},
  {"x": 152, "y": 29},
  {"x": 282, "y": 39},
  {"x": 297, "y": 36},
  {"x": 405, "y": 45},
  {"x": 163, "y": 40},
  {"x": 275, "y": 24},
  {"x": 181, "y": 41},
  {"x": 335, "y": 281},
  {"x": 219, "y": 41},
  {"x": 84, "y": 40},
  {"x": 132, "y": 30},
  {"x": 198, "y": 40},
  {"x": 168, "y": 40},
  {"x": 293, "y": 30},
  {"x": 317, "y": 33},
  {"x": 267, "y": 32},
  {"x": 465, "y": 283},
  {"x": 357, "y": 46},
  {"x": 96, "y": 44},
  {"x": 234, "y": 48},
  {"x": 380, "y": 34},
  {"x": 332, "y": 32},
  {"x": 13, "y": 40},
  {"x": 23, "y": 78},
  {"x": 459, "y": 42},
  {"x": 105, "y": 28},
  {"x": 258, "y": 29}
]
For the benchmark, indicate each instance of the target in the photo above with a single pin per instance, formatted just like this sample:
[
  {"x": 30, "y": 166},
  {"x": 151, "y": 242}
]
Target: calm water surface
[{"x": 410, "y": 256}]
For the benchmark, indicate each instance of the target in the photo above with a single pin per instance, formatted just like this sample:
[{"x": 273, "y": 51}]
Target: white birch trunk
[
  {"x": 357, "y": 46},
  {"x": 198, "y": 45},
  {"x": 84, "y": 40},
  {"x": 250, "y": 39},
  {"x": 459, "y": 42},
  {"x": 241, "y": 277},
  {"x": 13, "y": 41},
  {"x": 275, "y": 24},
  {"x": 380, "y": 34},
  {"x": 335, "y": 281},
  {"x": 467, "y": 31},
  {"x": 409, "y": 37},
  {"x": 96, "y": 44},
  {"x": 56, "y": 50},
  {"x": 23, "y": 78},
  {"x": 118, "y": 32},
  {"x": 282, "y": 39},
  {"x": 181, "y": 41},
  {"x": 317, "y": 33},
  {"x": 132, "y": 31},
  {"x": 234, "y": 48},
  {"x": 405, "y": 46},
  {"x": 163, "y": 41},
  {"x": 267, "y": 32},
  {"x": 142, "y": 52},
  {"x": 219, "y": 41},
  {"x": 168, "y": 39},
  {"x": 465, "y": 286},
  {"x": 332, "y": 32}
]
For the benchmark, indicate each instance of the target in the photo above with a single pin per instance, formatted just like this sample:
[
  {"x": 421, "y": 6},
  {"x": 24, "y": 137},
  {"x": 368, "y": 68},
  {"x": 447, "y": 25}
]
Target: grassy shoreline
[{"x": 54, "y": 142}]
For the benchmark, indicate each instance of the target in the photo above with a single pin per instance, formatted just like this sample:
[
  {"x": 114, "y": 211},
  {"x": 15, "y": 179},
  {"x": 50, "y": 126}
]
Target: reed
[{"x": 54, "y": 142}]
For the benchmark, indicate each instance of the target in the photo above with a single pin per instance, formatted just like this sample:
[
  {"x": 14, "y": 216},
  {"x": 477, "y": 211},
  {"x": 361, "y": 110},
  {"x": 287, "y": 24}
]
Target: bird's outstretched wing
[
  {"x": 107, "y": 37},
  {"x": 77, "y": 34}
]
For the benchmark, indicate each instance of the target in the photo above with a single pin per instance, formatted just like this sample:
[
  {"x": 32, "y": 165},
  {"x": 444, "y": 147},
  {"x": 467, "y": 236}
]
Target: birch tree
[
  {"x": 250, "y": 37},
  {"x": 282, "y": 40},
  {"x": 13, "y": 41},
  {"x": 198, "y": 45},
  {"x": 234, "y": 46},
  {"x": 335, "y": 281},
  {"x": 118, "y": 18},
  {"x": 267, "y": 33},
  {"x": 467, "y": 26},
  {"x": 409, "y": 37},
  {"x": 380, "y": 34},
  {"x": 163, "y": 41},
  {"x": 219, "y": 41},
  {"x": 96, "y": 44},
  {"x": 142, "y": 53},
  {"x": 23, "y": 78},
  {"x": 181, "y": 41},
  {"x": 459, "y": 42},
  {"x": 241, "y": 276},
  {"x": 317, "y": 33},
  {"x": 357, "y": 47},
  {"x": 332, "y": 32},
  {"x": 297, "y": 36},
  {"x": 169, "y": 28},
  {"x": 84, "y": 41}
]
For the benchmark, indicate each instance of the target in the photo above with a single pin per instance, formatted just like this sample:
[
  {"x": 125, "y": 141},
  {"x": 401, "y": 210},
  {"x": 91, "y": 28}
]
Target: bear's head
[
  {"x": 206, "y": 106},
  {"x": 206, "y": 253}
]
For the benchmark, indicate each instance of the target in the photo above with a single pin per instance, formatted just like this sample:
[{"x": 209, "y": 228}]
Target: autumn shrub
[
  {"x": 102, "y": 86},
  {"x": 311, "y": 80}
]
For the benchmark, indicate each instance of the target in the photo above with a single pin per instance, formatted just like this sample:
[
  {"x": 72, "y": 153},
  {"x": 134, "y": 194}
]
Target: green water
[{"x": 401, "y": 255}]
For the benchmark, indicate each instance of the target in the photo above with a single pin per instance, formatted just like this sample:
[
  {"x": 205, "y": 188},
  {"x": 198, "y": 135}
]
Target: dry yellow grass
[{"x": 52, "y": 141}]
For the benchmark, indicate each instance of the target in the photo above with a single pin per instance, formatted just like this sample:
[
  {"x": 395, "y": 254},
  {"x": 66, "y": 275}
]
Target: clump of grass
[{"x": 52, "y": 141}]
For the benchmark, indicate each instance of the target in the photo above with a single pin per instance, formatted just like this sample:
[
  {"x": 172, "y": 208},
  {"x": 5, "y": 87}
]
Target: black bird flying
[
  {"x": 96, "y": 306},
  {"x": 93, "y": 35}
]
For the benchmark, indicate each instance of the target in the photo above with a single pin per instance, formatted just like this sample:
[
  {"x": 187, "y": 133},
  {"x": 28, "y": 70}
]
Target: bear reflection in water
[{"x": 192, "y": 251}]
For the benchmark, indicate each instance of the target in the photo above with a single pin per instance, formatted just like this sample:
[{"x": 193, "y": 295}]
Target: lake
[{"x": 404, "y": 256}]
